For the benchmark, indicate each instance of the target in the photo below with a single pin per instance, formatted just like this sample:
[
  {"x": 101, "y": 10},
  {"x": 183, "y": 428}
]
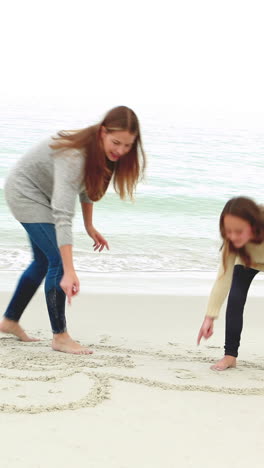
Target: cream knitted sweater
[{"x": 223, "y": 281}]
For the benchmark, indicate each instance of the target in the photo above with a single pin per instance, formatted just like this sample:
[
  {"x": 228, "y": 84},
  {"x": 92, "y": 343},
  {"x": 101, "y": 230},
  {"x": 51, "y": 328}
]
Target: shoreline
[{"x": 184, "y": 283}]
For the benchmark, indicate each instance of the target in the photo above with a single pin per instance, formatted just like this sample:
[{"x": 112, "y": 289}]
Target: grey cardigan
[{"x": 42, "y": 188}]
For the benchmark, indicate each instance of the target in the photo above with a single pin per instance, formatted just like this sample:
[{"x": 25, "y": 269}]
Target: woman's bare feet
[
  {"x": 225, "y": 363},
  {"x": 64, "y": 343},
  {"x": 9, "y": 326}
]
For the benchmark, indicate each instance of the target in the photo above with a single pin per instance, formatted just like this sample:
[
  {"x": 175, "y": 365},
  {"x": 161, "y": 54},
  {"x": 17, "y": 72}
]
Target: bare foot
[
  {"x": 225, "y": 363},
  {"x": 9, "y": 326},
  {"x": 64, "y": 343}
]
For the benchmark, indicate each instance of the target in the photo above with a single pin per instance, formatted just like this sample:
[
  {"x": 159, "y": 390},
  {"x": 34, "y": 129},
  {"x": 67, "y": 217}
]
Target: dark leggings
[
  {"x": 242, "y": 278},
  {"x": 46, "y": 264}
]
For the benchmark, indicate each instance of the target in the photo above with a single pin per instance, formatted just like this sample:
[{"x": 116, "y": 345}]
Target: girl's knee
[{"x": 237, "y": 298}]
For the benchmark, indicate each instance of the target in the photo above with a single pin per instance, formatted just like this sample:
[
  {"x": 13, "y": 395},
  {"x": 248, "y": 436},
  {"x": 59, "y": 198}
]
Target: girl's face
[
  {"x": 116, "y": 144},
  {"x": 237, "y": 230}
]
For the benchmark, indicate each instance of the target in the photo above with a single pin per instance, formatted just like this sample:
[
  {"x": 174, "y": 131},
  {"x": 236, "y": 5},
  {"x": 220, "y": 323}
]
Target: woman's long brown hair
[
  {"x": 246, "y": 209},
  {"x": 126, "y": 172}
]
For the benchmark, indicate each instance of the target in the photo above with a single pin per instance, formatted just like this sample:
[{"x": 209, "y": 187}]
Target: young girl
[
  {"x": 41, "y": 192},
  {"x": 242, "y": 230}
]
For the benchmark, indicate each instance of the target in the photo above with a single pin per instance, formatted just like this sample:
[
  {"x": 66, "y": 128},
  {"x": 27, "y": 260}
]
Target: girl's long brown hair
[
  {"x": 244, "y": 208},
  {"x": 126, "y": 172}
]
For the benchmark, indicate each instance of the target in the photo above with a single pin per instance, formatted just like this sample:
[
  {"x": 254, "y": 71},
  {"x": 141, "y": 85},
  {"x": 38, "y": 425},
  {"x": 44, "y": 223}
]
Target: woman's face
[
  {"x": 237, "y": 230},
  {"x": 116, "y": 144}
]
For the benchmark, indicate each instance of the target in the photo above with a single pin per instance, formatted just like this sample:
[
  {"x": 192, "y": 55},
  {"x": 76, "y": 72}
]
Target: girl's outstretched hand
[
  {"x": 206, "y": 330},
  {"x": 99, "y": 241}
]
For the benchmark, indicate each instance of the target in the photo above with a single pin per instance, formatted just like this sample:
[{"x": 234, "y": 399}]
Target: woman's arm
[
  {"x": 99, "y": 241},
  {"x": 69, "y": 282},
  {"x": 67, "y": 173},
  {"x": 87, "y": 211}
]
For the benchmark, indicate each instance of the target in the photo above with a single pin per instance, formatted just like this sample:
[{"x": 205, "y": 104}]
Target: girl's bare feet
[
  {"x": 224, "y": 363},
  {"x": 64, "y": 343},
  {"x": 9, "y": 326}
]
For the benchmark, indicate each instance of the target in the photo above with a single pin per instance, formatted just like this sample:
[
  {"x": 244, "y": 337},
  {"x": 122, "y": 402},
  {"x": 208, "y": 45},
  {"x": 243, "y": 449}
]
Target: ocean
[{"x": 196, "y": 162}]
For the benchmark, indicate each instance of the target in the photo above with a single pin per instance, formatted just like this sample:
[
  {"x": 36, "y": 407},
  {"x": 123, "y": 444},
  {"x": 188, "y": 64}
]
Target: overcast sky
[{"x": 193, "y": 53}]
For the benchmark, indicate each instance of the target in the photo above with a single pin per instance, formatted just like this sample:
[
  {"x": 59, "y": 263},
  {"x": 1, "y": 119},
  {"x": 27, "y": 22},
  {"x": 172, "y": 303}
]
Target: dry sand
[{"x": 146, "y": 397}]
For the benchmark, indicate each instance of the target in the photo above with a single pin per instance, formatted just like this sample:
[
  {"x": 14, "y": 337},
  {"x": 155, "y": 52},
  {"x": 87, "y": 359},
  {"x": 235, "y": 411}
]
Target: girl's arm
[
  {"x": 221, "y": 287},
  {"x": 218, "y": 294},
  {"x": 207, "y": 329},
  {"x": 99, "y": 241}
]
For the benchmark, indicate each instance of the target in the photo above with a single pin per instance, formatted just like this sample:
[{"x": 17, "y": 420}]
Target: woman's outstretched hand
[
  {"x": 99, "y": 241},
  {"x": 70, "y": 285},
  {"x": 206, "y": 330}
]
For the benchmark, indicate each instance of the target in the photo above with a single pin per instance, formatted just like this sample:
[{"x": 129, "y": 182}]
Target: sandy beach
[{"x": 146, "y": 397}]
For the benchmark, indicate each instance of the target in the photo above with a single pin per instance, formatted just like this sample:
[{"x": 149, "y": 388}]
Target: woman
[
  {"x": 41, "y": 192},
  {"x": 242, "y": 230}
]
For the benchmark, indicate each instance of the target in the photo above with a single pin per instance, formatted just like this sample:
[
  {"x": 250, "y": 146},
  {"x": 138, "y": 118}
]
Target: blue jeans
[{"x": 46, "y": 263}]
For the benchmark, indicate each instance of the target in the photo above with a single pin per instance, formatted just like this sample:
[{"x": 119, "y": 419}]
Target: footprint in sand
[
  {"x": 183, "y": 374},
  {"x": 104, "y": 338},
  {"x": 213, "y": 347}
]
